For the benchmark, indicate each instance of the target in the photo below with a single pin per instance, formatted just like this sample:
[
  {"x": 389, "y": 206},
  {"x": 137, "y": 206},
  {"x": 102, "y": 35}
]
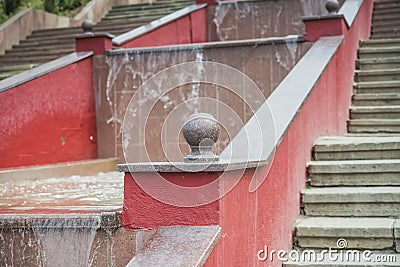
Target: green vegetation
[{"x": 9, "y": 8}]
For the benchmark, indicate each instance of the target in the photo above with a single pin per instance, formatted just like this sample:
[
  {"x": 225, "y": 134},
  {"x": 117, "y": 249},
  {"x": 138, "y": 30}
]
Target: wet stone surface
[{"x": 102, "y": 192}]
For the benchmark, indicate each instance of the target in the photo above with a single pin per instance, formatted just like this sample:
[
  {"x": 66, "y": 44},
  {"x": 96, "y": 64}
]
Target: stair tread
[
  {"x": 384, "y": 96},
  {"x": 342, "y": 226},
  {"x": 356, "y": 194}
]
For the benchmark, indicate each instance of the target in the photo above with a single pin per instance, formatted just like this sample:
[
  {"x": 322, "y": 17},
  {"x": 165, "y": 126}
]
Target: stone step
[
  {"x": 388, "y": 33},
  {"x": 33, "y": 55},
  {"x": 48, "y": 38},
  {"x": 157, "y": 4},
  {"x": 356, "y": 148},
  {"x": 378, "y": 6},
  {"x": 383, "y": 87},
  {"x": 392, "y": 10},
  {"x": 145, "y": 9},
  {"x": 376, "y": 99},
  {"x": 358, "y": 233},
  {"x": 373, "y": 126},
  {"x": 350, "y": 258},
  {"x": 375, "y": 112},
  {"x": 380, "y": 17},
  {"x": 134, "y": 17},
  {"x": 381, "y": 52},
  {"x": 56, "y": 32},
  {"x": 352, "y": 201},
  {"x": 41, "y": 48},
  {"x": 390, "y": 25},
  {"x": 381, "y": 172},
  {"x": 380, "y": 43},
  {"x": 29, "y": 43},
  {"x": 379, "y": 63},
  {"x": 383, "y": 22},
  {"x": 377, "y": 75},
  {"x": 31, "y": 60},
  {"x": 26, "y": 53},
  {"x": 17, "y": 67},
  {"x": 385, "y": 2}
]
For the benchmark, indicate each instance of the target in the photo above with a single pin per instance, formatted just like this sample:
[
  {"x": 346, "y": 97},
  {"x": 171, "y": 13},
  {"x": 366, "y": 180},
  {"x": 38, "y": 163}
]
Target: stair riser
[
  {"x": 380, "y": 17},
  {"x": 352, "y": 243},
  {"x": 354, "y": 179},
  {"x": 393, "y": 10},
  {"x": 378, "y": 66},
  {"x": 382, "y": 23},
  {"x": 374, "y": 115},
  {"x": 377, "y": 90},
  {"x": 357, "y": 155},
  {"x": 374, "y": 129},
  {"x": 363, "y": 77},
  {"x": 378, "y": 55},
  {"x": 384, "y": 36},
  {"x": 20, "y": 54},
  {"x": 383, "y": 102},
  {"x": 352, "y": 209}
]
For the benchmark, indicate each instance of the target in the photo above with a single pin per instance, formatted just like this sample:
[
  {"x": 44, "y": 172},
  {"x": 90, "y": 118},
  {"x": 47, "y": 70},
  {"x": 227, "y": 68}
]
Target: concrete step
[
  {"x": 381, "y": 172},
  {"x": 356, "y": 148},
  {"x": 389, "y": 25},
  {"x": 57, "y": 32},
  {"x": 379, "y": 63},
  {"x": 17, "y": 67},
  {"x": 135, "y": 18},
  {"x": 352, "y": 201},
  {"x": 41, "y": 48},
  {"x": 32, "y": 60},
  {"x": 378, "y": 6},
  {"x": 380, "y": 43},
  {"x": 29, "y": 43},
  {"x": 383, "y": 87},
  {"x": 359, "y": 233},
  {"x": 391, "y": 10},
  {"x": 26, "y": 53},
  {"x": 381, "y": 52},
  {"x": 380, "y": 17},
  {"x": 373, "y": 126},
  {"x": 158, "y": 4},
  {"x": 376, "y": 99},
  {"x": 384, "y": 22},
  {"x": 375, "y": 112},
  {"x": 377, "y": 75},
  {"x": 389, "y": 33},
  {"x": 385, "y": 3},
  {"x": 145, "y": 9},
  {"x": 33, "y": 55}
]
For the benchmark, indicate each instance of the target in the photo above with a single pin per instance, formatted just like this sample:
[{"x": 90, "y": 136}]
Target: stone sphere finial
[
  {"x": 201, "y": 132},
  {"x": 87, "y": 26},
  {"x": 332, "y": 6}
]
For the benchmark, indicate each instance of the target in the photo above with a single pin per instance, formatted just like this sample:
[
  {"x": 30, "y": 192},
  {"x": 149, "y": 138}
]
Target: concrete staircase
[
  {"x": 386, "y": 19},
  {"x": 352, "y": 199},
  {"x": 46, "y": 45}
]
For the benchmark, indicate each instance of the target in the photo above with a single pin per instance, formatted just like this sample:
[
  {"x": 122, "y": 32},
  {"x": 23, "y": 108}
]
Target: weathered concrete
[
  {"x": 352, "y": 201},
  {"x": 377, "y": 87},
  {"x": 376, "y": 99},
  {"x": 353, "y": 148},
  {"x": 178, "y": 246},
  {"x": 360, "y": 233},
  {"x": 375, "y": 112},
  {"x": 374, "y": 126},
  {"x": 377, "y": 75}
]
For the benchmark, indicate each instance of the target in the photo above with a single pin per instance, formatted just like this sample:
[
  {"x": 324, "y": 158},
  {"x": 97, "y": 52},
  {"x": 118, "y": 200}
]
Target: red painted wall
[
  {"x": 49, "y": 119},
  {"x": 185, "y": 30},
  {"x": 265, "y": 217}
]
